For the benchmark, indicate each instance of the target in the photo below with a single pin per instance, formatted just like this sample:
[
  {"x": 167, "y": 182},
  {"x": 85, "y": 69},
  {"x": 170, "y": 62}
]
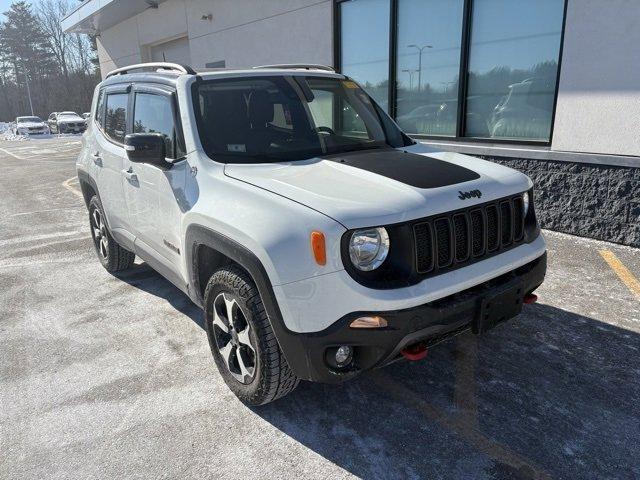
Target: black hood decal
[{"x": 415, "y": 170}]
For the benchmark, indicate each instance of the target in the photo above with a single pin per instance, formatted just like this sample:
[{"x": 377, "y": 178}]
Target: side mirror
[{"x": 147, "y": 148}]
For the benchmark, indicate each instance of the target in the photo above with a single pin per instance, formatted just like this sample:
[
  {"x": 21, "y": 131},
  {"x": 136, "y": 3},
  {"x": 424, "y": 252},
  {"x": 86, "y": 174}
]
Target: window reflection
[
  {"x": 513, "y": 64},
  {"x": 428, "y": 65},
  {"x": 364, "y": 45}
]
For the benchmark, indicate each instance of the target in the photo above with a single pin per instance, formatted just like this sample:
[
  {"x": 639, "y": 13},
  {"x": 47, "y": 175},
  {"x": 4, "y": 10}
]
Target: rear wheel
[
  {"x": 242, "y": 341},
  {"x": 112, "y": 256}
]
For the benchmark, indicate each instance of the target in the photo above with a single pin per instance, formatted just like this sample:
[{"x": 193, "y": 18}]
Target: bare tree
[{"x": 50, "y": 13}]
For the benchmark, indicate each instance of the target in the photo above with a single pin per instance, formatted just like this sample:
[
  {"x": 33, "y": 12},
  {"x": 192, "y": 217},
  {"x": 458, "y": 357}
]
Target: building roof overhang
[{"x": 94, "y": 16}]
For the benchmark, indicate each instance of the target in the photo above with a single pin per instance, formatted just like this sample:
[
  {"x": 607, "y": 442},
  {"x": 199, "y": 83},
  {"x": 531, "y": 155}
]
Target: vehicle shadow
[
  {"x": 143, "y": 277},
  {"x": 550, "y": 394}
]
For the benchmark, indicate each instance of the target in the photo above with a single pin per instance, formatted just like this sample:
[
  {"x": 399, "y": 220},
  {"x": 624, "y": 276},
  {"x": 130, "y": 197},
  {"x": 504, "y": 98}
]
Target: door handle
[
  {"x": 97, "y": 160},
  {"x": 130, "y": 174}
]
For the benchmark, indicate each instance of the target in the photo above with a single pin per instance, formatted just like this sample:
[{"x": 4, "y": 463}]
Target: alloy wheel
[
  {"x": 99, "y": 233},
  {"x": 232, "y": 335}
]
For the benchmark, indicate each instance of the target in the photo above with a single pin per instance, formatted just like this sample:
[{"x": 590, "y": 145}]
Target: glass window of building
[
  {"x": 364, "y": 43},
  {"x": 428, "y": 65},
  {"x": 513, "y": 65}
]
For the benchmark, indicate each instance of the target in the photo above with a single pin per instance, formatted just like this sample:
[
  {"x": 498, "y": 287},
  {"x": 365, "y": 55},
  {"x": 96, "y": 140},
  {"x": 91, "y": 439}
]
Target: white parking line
[
  {"x": 12, "y": 154},
  {"x": 66, "y": 184},
  {"x": 37, "y": 212}
]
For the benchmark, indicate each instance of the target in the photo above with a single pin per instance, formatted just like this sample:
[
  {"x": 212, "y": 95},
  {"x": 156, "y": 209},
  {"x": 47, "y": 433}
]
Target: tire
[
  {"x": 112, "y": 256},
  {"x": 266, "y": 375}
]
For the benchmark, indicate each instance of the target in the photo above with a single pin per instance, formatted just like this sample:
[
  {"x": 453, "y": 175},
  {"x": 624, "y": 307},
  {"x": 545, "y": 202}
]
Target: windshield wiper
[{"x": 355, "y": 148}]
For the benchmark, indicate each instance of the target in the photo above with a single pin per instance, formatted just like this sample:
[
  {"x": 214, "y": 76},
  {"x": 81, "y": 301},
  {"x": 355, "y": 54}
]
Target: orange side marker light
[{"x": 318, "y": 247}]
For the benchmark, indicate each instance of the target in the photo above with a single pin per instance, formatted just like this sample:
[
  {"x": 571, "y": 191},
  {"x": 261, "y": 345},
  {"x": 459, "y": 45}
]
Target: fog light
[{"x": 343, "y": 355}]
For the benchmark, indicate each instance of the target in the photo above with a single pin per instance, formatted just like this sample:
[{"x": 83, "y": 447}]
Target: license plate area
[{"x": 498, "y": 307}]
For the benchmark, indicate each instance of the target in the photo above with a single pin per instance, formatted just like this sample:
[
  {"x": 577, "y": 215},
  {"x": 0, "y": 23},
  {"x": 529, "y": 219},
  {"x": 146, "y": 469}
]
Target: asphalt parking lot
[{"x": 106, "y": 377}]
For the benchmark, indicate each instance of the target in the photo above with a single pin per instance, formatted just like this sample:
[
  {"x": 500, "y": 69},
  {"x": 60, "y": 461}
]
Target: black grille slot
[
  {"x": 466, "y": 236},
  {"x": 493, "y": 240},
  {"x": 424, "y": 247},
  {"x": 477, "y": 233},
  {"x": 443, "y": 242},
  {"x": 461, "y": 236},
  {"x": 518, "y": 219},
  {"x": 506, "y": 223}
]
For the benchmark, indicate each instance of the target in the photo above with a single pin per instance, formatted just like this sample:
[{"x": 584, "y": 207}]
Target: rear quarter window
[
  {"x": 99, "y": 114},
  {"x": 115, "y": 120}
]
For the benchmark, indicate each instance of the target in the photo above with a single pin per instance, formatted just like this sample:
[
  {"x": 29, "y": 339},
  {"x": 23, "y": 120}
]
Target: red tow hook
[
  {"x": 530, "y": 298},
  {"x": 414, "y": 352}
]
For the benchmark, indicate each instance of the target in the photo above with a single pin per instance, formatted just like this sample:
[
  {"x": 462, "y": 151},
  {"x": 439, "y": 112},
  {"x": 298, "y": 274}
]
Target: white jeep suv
[{"x": 319, "y": 239}]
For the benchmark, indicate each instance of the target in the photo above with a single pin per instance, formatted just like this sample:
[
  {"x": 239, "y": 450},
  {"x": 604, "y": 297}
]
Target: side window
[
  {"x": 323, "y": 110},
  {"x": 99, "y": 113},
  {"x": 154, "y": 114},
  {"x": 115, "y": 122}
]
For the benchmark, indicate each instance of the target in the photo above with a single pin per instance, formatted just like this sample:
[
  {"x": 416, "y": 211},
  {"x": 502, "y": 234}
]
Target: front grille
[
  {"x": 443, "y": 242},
  {"x": 456, "y": 239}
]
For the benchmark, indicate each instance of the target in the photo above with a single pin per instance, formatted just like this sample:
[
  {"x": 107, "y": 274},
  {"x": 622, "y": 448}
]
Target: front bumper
[
  {"x": 429, "y": 323},
  {"x": 69, "y": 129}
]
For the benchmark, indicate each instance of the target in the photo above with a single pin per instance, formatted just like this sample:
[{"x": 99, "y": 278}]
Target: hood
[
  {"x": 382, "y": 187},
  {"x": 30, "y": 124},
  {"x": 70, "y": 118}
]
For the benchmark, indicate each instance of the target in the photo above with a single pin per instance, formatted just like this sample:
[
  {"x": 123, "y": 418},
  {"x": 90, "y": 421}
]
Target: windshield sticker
[
  {"x": 236, "y": 147},
  {"x": 348, "y": 84}
]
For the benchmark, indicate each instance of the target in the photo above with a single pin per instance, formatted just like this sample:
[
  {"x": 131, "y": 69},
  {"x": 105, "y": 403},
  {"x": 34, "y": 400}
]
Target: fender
[
  {"x": 291, "y": 343},
  {"x": 83, "y": 176},
  {"x": 124, "y": 238}
]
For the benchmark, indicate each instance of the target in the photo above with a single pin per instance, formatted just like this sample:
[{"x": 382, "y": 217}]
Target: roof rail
[
  {"x": 298, "y": 66},
  {"x": 175, "y": 67}
]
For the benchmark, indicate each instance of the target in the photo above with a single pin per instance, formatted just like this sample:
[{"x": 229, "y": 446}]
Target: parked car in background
[
  {"x": 66, "y": 122},
  {"x": 30, "y": 126},
  {"x": 526, "y": 111}
]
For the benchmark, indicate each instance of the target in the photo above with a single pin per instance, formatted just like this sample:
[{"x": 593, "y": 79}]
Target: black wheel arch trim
[
  {"x": 84, "y": 177},
  {"x": 292, "y": 344}
]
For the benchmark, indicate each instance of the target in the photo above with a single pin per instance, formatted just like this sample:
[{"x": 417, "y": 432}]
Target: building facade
[{"x": 550, "y": 87}]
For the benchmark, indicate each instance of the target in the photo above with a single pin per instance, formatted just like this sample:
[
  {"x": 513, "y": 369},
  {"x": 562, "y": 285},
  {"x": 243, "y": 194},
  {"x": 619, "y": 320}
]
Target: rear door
[
  {"x": 155, "y": 196},
  {"x": 109, "y": 159}
]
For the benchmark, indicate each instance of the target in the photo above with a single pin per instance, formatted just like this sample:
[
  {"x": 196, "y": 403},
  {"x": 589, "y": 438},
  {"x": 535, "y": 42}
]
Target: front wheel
[
  {"x": 111, "y": 255},
  {"x": 242, "y": 341}
]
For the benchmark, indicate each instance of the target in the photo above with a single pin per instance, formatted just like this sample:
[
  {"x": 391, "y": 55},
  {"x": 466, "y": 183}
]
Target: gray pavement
[{"x": 111, "y": 377}]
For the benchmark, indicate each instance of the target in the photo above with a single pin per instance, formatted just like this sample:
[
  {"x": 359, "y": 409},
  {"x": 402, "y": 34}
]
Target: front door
[{"x": 154, "y": 195}]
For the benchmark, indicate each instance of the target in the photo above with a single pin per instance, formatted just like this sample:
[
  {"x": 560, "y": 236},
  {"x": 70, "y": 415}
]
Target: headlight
[
  {"x": 525, "y": 204},
  {"x": 368, "y": 248}
]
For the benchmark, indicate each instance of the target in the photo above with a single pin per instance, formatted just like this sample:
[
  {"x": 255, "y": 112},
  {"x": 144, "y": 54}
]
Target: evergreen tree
[{"x": 23, "y": 43}]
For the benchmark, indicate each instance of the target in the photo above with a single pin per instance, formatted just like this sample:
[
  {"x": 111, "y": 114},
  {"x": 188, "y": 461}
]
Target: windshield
[
  {"x": 28, "y": 119},
  {"x": 266, "y": 119},
  {"x": 67, "y": 114}
]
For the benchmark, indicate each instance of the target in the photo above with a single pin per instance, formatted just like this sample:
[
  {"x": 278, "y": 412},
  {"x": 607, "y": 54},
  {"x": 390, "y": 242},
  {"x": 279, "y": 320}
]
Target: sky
[{"x": 5, "y": 4}]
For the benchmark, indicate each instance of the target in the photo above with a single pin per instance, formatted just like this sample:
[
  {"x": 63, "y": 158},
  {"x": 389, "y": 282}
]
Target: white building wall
[
  {"x": 598, "y": 109},
  {"x": 243, "y": 33}
]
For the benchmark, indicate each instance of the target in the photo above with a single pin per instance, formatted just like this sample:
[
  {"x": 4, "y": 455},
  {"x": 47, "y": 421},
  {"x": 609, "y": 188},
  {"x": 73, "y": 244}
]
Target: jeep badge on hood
[{"x": 472, "y": 193}]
